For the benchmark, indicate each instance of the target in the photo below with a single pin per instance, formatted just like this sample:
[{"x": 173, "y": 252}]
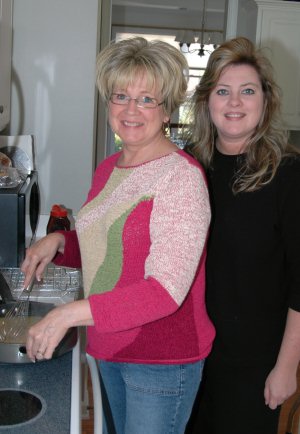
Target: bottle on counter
[{"x": 58, "y": 220}]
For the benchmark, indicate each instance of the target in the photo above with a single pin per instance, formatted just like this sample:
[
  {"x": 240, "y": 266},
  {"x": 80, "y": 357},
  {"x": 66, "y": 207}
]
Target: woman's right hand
[{"x": 40, "y": 254}]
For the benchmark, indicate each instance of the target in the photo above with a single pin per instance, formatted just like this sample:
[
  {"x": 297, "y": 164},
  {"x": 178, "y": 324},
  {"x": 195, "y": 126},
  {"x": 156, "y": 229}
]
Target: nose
[
  {"x": 234, "y": 99},
  {"x": 132, "y": 106}
]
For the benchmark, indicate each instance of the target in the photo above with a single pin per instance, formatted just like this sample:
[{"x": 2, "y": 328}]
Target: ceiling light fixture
[{"x": 205, "y": 38}]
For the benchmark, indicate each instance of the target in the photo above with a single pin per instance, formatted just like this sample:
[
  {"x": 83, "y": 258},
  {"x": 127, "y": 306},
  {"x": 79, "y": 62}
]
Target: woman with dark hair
[{"x": 253, "y": 266}]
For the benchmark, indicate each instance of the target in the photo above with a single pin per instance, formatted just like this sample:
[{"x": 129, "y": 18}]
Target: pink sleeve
[
  {"x": 130, "y": 307},
  {"x": 71, "y": 256}
]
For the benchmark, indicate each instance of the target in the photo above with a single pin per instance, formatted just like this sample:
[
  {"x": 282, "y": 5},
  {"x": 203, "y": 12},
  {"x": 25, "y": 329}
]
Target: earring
[{"x": 166, "y": 128}]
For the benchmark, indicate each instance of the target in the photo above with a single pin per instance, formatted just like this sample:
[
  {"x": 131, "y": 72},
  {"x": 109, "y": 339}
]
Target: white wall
[
  {"x": 55, "y": 44},
  {"x": 5, "y": 63}
]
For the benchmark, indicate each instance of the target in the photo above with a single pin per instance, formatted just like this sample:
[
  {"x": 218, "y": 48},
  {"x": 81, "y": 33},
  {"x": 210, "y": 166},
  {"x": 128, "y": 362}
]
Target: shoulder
[
  {"x": 179, "y": 172},
  {"x": 190, "y": 159},
  {"x": 190, "y": 164},
  {"x": 108, "y": 162},
  {"x": 289, "y": 167},
  {"x": 105, "y": 167},
  {"x": 102, "y": 174},
  {"x": 287, "y": 180}
]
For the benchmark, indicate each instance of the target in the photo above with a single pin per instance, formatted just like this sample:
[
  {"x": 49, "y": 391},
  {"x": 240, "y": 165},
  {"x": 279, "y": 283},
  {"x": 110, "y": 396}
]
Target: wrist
[
  {"x": 59, "y": 240},
  {"x": 287, "y": 366},
  {"x": 76, "y": 314}
]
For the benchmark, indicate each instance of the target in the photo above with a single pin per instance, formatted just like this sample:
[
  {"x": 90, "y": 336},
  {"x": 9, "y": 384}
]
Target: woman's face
[
  {"x": 136, "y": 126},
  {"x": 236, "y": 106}
]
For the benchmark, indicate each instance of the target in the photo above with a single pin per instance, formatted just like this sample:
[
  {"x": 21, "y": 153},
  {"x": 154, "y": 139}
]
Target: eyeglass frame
[{"x": 127, "y": 100}]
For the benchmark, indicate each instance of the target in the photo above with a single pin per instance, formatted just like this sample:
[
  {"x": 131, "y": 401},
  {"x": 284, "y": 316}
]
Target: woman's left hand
[
  {"x": 279, "y": 386},
  {"x": 44, "y": 336}
]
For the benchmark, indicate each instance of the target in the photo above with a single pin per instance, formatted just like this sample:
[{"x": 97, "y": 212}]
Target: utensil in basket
[{"x": 16, "y": 316}]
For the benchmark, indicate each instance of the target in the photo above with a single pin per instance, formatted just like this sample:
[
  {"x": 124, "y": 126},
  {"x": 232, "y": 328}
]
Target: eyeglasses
[{"x": 145, "y": 102}]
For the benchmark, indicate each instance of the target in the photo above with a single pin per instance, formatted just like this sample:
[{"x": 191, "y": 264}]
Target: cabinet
[
  {"x": 275, "y": 26},
  {"x": 5, "y": 60},
  {"x": 278, "y": 31}
]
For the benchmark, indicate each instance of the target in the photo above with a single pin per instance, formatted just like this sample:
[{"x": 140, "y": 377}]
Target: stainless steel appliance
[
  {"x": 20, "y": 203},
  {"x": 60, "y": 285},
  {"x": 18, "y": 220}
]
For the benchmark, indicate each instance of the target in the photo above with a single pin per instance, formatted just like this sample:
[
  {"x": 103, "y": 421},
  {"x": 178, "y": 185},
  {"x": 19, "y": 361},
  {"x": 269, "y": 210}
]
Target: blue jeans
[{"x": 148, "y": 399}]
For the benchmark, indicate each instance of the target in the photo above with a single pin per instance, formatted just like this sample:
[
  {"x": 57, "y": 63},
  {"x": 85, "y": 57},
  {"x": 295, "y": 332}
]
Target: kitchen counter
[{"x": 56, "y": 383}]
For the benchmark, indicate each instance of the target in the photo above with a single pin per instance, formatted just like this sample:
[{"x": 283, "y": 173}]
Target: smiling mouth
[
  {"x": 132, "y": 124},
  {"x": 234, "y": 115}
]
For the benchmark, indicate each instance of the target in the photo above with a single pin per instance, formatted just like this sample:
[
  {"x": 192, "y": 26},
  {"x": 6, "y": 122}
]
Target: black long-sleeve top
[{"x": 253, "y": 266}]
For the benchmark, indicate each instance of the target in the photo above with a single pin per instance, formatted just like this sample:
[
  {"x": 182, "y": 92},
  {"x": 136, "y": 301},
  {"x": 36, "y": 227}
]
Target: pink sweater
[{"x": 142, "y": 235}]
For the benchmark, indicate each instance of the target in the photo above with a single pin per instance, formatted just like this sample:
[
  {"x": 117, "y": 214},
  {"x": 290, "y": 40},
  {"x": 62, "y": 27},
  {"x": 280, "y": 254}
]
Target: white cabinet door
[
  {"x": 278, "y": 31},
  {"x": 5, "y": 60}
]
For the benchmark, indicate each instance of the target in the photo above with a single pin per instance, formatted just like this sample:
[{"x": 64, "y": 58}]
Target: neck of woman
[
  {"x": 230, "y": 147},
  {"x": 134, "y": 156}
]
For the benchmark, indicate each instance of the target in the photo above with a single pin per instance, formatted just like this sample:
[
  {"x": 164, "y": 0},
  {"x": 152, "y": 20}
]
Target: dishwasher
[{"x": 59, "y": 285}]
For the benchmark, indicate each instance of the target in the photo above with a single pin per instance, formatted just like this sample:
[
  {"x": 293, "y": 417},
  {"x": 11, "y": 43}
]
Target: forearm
[
  {"x": 282, "y": 381},
  {"x": 289, "y": 354},
  {"x": 78, "y": 313}
]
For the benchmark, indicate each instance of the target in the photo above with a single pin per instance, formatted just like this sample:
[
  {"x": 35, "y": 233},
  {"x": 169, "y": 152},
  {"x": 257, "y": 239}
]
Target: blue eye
[
  {"x": 248, "y": 91},
  {"x": 147, "y": 100},
  {"x": 222, "y": 92},
  {"x": 121, "y": 96}
]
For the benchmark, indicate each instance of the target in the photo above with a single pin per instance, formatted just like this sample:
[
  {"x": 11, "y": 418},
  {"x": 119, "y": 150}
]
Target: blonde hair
[
  {"x": 268, "y": 143},
  {"x": 165, "y": 67}
]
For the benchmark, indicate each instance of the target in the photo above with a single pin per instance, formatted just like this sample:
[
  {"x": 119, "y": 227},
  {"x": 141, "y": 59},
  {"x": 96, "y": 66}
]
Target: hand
[
  {"x": 40, "y": 254},
  {"x": 44, "y": 336},
  {"x": 279, "y": 386}
]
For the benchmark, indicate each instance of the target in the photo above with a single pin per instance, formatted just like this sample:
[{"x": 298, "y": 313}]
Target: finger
[
  {"x": 29, "y": 270},
  {"x": 40, "y": 270},
  {"x": 48, "y": 346},
  {"x": 36, "y": 342},
  {"x": 267, "y": 395},
  {"x": 28, "y": 279},
  {"x": 273, "y": 404},
  {"x": 34, "y": 270},
  {"x": 49, "y": 352},
  {"x": 29, "y": 349},
  {"x": 39, "y": 355}
]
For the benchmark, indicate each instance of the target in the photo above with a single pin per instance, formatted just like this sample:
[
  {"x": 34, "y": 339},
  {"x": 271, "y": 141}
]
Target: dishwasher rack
[{"x": 59, "y": 285}]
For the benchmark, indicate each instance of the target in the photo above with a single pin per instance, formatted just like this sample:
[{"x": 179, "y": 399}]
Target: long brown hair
[{"x": 268, "y": 143}]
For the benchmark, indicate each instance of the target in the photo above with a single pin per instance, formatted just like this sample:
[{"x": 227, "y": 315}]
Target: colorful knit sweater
[{"x": 142, "y": 235}]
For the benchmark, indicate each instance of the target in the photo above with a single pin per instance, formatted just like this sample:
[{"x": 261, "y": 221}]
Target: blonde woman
[{"x": 140, "y": 239}]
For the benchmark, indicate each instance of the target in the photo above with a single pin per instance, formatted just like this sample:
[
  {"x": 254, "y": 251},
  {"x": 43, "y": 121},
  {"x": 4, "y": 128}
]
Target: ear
[{"x": 166, "y": 119}]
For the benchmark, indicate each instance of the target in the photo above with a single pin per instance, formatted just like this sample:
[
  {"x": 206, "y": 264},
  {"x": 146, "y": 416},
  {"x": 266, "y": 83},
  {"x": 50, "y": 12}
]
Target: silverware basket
[{"x": 60, "y": 285}]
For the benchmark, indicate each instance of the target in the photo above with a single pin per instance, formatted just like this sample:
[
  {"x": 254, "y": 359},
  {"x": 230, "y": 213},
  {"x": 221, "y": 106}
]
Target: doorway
[{"x": 167, "y": 20}]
